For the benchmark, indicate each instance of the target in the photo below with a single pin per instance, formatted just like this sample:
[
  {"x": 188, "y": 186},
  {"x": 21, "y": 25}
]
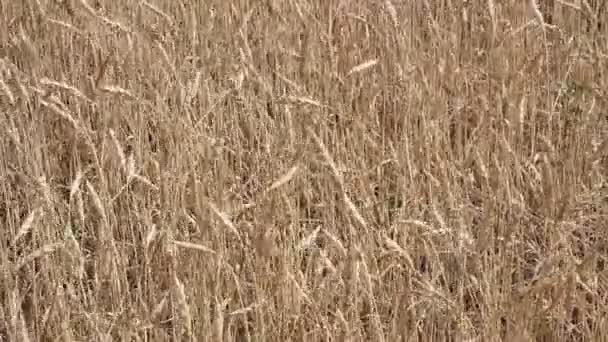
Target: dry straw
[{"x": 162, "y": 158}]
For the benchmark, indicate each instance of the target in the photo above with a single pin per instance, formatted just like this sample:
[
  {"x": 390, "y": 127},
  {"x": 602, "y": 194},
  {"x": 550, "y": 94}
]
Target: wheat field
[{"x": 303, "y": 170}]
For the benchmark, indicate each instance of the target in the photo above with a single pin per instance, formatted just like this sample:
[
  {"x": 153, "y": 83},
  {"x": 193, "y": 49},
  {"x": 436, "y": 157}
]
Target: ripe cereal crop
[{"x": 303, "y": 170}]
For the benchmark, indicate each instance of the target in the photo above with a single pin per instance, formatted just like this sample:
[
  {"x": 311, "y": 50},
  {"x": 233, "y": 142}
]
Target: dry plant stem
[
  {"x": 540, "y": 18},
  {"x": 303, "y": 170}
]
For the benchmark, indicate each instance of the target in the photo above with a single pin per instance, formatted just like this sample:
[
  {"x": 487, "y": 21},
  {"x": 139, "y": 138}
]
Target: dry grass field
[{"x": 303, "y": 170}]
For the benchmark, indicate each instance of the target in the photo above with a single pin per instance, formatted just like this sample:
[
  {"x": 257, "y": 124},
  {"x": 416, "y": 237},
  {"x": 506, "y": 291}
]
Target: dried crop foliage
[{"x": 303, "y": 170}]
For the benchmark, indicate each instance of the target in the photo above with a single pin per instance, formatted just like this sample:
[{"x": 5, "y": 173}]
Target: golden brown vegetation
[{"x": 303, "y": 170}]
